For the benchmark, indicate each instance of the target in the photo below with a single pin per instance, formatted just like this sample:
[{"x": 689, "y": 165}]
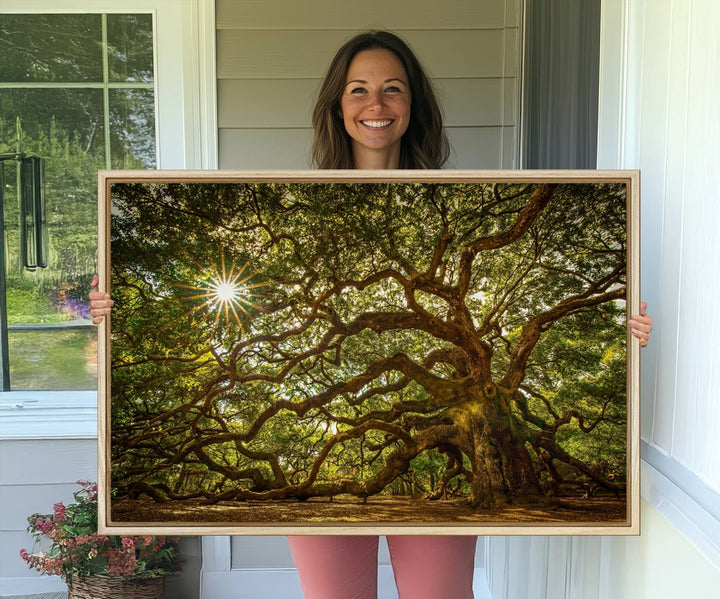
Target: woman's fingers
[
  {"x": 100, "y": 303},
  {"x": 98, "y": 310},
  {"x": 642, "y": 337},
  {"x": 641, "y": 325}
]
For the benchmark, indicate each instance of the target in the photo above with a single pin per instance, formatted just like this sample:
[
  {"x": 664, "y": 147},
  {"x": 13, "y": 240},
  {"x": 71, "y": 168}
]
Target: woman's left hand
[{"x": 641, "y": 325}]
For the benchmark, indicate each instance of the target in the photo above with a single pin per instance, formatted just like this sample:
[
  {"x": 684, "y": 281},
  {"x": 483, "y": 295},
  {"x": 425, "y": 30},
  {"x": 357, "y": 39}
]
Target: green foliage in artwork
[{"x": 276, "y": 341}]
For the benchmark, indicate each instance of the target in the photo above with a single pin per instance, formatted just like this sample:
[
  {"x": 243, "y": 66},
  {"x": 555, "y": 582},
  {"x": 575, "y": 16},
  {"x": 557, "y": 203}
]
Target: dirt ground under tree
[{"x": 377, "y": 510}]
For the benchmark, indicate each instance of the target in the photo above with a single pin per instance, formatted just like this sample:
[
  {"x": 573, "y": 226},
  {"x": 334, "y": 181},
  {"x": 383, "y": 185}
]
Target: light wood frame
[{"x": 631, "y": 179}]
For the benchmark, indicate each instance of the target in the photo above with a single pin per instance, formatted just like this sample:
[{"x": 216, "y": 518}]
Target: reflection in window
[
  {"x": 132, "y": 128},
  {"x": 78, "y": 91},
  {"x": 130, "y": 55},
  {"x": 44, "y": 48}
]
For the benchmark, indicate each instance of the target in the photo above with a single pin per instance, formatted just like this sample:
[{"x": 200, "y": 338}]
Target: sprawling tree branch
[{"x": 407, "y": 324}]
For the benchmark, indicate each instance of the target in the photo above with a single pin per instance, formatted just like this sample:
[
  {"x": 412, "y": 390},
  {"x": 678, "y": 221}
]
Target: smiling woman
[
  {"x": 365, "y": 103},
  {"x": 375, "y": 107}
]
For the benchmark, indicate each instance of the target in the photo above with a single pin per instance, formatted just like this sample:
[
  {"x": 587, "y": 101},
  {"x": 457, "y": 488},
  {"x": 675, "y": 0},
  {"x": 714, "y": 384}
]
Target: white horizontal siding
[
  {"x": 246, "y": 148},
  {"x": 264, "y": 148},
  {"x": 47, "y": 443},
  {"x": 272, "y": 55},
  {"x": 288, "y": 103},
  {"x": 21, "y": 500},
  {"x": 269, "y": 54},
  {"x": 400, "y": 14},
  {"x": 478, "y": 147},
  {"x": 34, "y": 476},
  {"x": 47, "y": 462}
]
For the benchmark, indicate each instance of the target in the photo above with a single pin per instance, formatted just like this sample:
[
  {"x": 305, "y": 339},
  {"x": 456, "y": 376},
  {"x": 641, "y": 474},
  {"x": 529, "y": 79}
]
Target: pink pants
[{"x": 425, "y": 567}]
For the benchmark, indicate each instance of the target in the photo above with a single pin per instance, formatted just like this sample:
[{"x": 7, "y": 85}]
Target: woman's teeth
[{"x": 376, "y": 124}]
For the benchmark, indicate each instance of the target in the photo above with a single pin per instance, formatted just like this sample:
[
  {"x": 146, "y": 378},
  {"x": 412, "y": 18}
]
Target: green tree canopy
[{"x": 299, "y": 340}]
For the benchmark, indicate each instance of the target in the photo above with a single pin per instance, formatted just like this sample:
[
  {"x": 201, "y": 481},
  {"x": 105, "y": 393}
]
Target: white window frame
[{"x": 186, "y": 130}]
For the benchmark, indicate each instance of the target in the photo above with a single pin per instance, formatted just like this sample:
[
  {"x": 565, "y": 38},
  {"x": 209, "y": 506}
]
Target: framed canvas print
[{"x": 369, "y": 352}]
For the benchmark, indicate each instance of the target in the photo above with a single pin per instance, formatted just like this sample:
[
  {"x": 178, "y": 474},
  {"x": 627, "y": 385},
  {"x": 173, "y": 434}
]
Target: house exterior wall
[
  {"x": 659, "y": 564},
  {"x": 271, "y": 57},
  {"x": 669, "y": 127},
  {"x": 34, "y": 475}
]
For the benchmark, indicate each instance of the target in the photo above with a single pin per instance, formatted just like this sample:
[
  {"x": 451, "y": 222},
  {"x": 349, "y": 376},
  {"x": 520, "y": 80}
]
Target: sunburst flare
[{"x": 226, "y": 291}]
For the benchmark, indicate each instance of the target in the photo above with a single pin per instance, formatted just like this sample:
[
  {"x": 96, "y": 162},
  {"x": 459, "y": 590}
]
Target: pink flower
[
  {"x": 43, "y": 526},
  {"x": 121, "y": 562},
  {"x": 72, "y": 554},
  {"x": 53, "y": 565},
  {"x": 59, "y": 512},
  {"x": 89, "y": 488},
  {"x": 93, "y": 492},
  {"x": 128, "y": 543}
]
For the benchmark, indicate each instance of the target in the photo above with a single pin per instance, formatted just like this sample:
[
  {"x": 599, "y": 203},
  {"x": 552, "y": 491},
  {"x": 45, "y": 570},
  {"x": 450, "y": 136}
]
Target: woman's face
[{"x": 375, "y": 107}]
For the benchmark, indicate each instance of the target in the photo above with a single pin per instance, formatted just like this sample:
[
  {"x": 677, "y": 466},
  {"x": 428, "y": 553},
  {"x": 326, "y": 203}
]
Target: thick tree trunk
[{"x": 501, "y": 464}]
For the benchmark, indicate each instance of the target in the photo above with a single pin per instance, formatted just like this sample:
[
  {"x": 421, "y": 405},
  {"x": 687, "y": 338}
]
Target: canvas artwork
[{"x": 326, "y": 352}]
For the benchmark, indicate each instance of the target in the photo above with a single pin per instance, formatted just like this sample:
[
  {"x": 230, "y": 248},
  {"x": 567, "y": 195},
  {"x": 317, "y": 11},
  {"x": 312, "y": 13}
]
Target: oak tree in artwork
[{"x": 297, "y": 340}]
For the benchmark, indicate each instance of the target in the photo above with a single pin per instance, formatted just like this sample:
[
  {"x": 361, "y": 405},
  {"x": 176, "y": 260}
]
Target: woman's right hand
[{"x": 100, "y": 303}]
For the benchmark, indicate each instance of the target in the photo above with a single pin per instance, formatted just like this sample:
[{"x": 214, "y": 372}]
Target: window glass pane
[
  {"x": 132, "y": 128},
  {"x": 54, "y": 359},
  {"x": 54, "y": 122},
  {"x": 50, "y": 48},
  {"x": 65, "y": 127},
  {"x": 130, "y": 43}
]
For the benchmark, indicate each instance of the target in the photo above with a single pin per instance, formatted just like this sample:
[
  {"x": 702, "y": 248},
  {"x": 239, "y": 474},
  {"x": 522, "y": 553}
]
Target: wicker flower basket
[{"x": 116, "y": 587}]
